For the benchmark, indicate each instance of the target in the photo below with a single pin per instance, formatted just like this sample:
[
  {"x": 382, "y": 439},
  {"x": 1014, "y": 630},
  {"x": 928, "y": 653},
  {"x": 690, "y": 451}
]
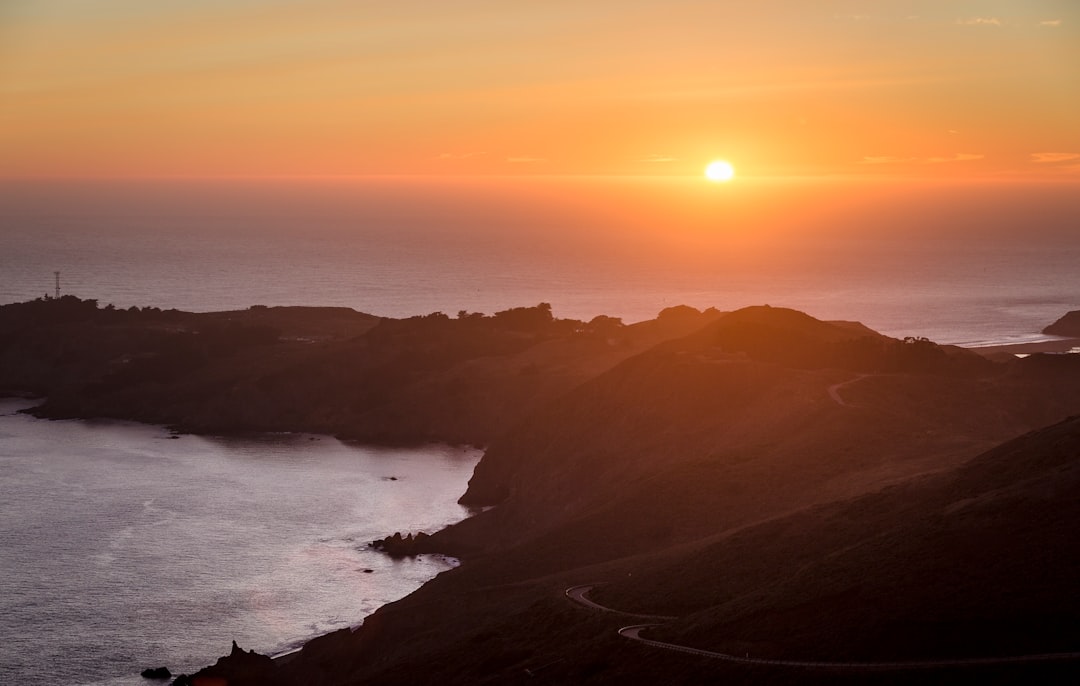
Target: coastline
[
  {"x": 1057, "y": 346},
  {"x": 326, "y": 547},
  {"x": 999, "y": 351}
]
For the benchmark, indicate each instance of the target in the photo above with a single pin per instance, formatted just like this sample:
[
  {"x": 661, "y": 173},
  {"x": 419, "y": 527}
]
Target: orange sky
[{"x": 958, "y": 88}]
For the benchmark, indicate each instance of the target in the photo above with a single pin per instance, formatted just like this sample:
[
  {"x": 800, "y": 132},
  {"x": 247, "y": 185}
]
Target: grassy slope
[
  {"x": 328, "y": 370},
  {"x": 980, "y": 560},
  {"x": 667, "y": 468}
]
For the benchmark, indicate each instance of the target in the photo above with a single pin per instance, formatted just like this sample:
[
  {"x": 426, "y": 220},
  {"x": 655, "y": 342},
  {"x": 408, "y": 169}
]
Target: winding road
[
  {"x": 835, "y": 388},
  {"x": 633, "y": 632},
  {"x": 577, "y": 594}
]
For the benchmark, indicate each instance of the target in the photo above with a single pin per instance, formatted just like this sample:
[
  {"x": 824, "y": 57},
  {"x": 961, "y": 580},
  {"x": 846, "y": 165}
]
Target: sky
[{"x": 781, "y": 88}]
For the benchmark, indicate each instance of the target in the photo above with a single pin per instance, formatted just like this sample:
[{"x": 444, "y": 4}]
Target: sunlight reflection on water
[{"x": 120, "y": 550}]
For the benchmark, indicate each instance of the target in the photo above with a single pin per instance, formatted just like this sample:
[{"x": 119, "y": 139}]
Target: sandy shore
[{"x": 1062, "y": 345}]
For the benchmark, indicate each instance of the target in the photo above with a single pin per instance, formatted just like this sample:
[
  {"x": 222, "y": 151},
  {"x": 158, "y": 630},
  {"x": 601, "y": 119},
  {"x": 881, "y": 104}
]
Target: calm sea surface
[
  {"x": 121, "y": 549},
  {"x": 958, "y": 263}
]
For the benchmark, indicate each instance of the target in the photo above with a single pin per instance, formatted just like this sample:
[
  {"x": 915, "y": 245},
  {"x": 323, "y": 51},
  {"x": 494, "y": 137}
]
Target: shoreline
[
  {"x": 1057, "y": 346},
  {"x": 1002, "y": 351},
  {"x": 10, "y": 409}
]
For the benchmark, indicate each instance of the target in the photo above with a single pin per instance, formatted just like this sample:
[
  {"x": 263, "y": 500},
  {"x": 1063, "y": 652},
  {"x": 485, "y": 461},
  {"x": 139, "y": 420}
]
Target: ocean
[
  {"x": 964, "y": 263},
  {"x": 123, "y": 549}
]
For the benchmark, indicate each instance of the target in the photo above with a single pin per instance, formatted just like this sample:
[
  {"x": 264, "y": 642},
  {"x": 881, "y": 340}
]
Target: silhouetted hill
[
  {"x": 713, "y": 476},
  {"x": 329, "y": 370},
  {"x": 1068, "y": 325},
  {"x": 787, "y": 486},
  {"x": 977, "y": 561},
  {"x": 795, "y": 339}
]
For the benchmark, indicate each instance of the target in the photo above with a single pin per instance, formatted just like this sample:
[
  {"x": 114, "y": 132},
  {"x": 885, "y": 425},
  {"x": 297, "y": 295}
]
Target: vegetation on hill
[
  {"x": 786, "y": 487},
  {"x": 327, "y": 370},
  {"x": 1068, "y": 325},
  {"x": 710, "y": 478}
]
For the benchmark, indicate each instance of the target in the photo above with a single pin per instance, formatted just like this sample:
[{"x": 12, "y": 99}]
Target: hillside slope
[
  {"x": 976, "y": 561},
  {"x": 732, "y": 478},
  {"x": 325, "y": 370}
]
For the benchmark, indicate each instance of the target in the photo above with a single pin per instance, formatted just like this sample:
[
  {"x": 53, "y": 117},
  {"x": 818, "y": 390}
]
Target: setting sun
[{"x": 720, "y": 171}]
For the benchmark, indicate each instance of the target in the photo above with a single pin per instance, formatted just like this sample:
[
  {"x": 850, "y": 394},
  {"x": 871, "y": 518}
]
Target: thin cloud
[
  {"x": 1052, "y": 157},
  {"x": 958, "y": 157},
  {"x": 658, "y": 158},
  {"x": 736, "y": 92},
  {"x": 459, "y": 156},
  {"x": 525, "y": 160},
  {"x": 1050, "y": 22},
  {"x": 979, "y": 21},
  {"x": 889, "y": 159}
]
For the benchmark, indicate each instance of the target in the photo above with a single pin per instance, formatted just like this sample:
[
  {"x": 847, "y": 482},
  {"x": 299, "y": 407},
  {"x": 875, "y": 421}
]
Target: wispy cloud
[
  {"x": 711, "y": 92},
  {"x": 889, "y": 159},
  {"x": 658, "y": 158},
  {"x": 525, "y": 160},
  {"x": 1050, "y": 22},
  {"x": 1052, "y": 157},
  {"x": 459, "y": 155},
  {"x": 979, "y": 21},
  {"x": 958, "y": 157}
]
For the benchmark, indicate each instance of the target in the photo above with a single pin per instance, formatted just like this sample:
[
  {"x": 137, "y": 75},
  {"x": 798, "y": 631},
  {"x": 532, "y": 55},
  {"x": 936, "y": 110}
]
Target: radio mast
[{"x": 57, "y": 275}]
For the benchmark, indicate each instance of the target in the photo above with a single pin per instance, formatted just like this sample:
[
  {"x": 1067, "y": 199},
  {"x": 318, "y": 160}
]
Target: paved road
[
  {"x": 577, "y": 594},
  {"x": 633, "y": 632},
  {"x": 835, "y": 388}
]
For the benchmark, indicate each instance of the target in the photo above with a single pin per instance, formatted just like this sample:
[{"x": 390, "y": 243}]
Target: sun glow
[{"x": 720, "y": 171}]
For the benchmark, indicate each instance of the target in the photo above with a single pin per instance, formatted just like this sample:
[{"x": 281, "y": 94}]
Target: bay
[{"x": 122, "y": 548}]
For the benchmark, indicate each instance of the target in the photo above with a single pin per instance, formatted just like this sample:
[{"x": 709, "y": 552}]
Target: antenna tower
[{"x": 57, "y": 275}]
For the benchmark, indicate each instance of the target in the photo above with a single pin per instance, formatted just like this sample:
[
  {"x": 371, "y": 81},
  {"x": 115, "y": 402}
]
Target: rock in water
[
  {"x": 156, "y": 673},
  {"x": 239, "y": 668}
]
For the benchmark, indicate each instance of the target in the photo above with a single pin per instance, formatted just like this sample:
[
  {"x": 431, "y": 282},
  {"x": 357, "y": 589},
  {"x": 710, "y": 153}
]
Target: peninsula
[{"x": 826, "y": 503}]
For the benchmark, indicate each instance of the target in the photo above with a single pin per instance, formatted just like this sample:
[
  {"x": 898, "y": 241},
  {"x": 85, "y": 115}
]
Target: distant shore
[{"x": 1062, "y": 345}]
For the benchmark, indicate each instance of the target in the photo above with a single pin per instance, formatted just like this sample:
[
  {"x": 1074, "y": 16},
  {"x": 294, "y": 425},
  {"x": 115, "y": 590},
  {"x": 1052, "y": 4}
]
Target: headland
[{"x": 789, "y": 489}]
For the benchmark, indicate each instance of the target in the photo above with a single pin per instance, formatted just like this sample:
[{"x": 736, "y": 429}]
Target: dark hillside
[
  {"x": 1068, "y": 325},
  {"x": 708, "y": 479},
  {"x": 327, "y": 370},
  {"x": 977, "y": 561},
  {"x": 786, "y": 486}
]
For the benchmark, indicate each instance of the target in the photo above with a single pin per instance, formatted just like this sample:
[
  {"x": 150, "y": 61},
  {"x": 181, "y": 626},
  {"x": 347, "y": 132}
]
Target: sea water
[
  {"x": 123, "y": 548},
  {"x": 959, "y": 263}
]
